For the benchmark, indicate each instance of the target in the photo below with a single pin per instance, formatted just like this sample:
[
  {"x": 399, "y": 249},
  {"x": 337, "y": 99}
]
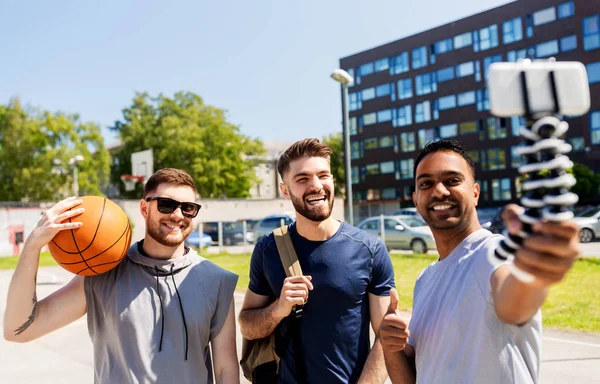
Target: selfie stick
[{"x": 547, "y": 184}]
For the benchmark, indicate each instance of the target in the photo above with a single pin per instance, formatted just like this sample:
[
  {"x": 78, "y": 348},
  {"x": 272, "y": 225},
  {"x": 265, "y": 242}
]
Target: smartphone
[{"x": 506, "y": 91}]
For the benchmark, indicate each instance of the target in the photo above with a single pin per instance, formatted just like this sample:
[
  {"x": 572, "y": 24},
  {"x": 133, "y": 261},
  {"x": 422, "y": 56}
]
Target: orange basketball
[{"x": 99, "y": 244}]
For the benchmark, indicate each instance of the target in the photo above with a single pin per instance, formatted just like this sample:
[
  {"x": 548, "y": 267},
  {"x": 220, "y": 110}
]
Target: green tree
[
  {"x": 336, "y": 142},
  {"x": 35, "y": 148},
  {"x": 587, "y": 184},
  {"x": 185, "y": 133}
]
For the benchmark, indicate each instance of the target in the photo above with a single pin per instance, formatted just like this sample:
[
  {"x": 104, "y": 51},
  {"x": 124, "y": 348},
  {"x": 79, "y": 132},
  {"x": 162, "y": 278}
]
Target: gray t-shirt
[
  {"x": 454, "y": 328},
  {"x": 126, "y": 311}
]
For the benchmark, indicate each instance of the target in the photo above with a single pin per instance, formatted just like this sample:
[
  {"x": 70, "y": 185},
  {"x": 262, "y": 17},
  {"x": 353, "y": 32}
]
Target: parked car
[
  {"x": 269, "y": 223},
  {"x": 401, "y": 232},
  {"x": 233, "y": 232},
  {"x": 589, "y": 223},
  {"x": 193, "y": 240},
  {"x": 488, "y": 216},
  {"x": 410, "y": 211}
]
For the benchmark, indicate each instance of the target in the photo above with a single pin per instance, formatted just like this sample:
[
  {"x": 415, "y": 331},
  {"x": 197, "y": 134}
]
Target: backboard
[{"x": 142, "y": 164}]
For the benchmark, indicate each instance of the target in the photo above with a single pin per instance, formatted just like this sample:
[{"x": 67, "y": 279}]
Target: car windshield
[
  {"x": 413, "y": 222},
  {"x": 589, "y": 213}
]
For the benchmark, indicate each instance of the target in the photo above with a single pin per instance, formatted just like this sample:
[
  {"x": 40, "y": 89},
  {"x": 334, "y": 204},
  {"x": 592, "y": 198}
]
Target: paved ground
[{"x": 65, "y": 356}]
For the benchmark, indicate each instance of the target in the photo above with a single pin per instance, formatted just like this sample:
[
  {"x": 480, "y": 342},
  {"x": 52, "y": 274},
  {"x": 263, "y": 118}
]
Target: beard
[
  {"x": 313, "y": 213},
  {"x": 161, "y": 235}
]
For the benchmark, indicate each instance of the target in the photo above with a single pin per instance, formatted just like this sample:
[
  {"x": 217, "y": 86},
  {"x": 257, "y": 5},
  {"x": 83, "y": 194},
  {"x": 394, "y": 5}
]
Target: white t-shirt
[{"x": 454, "y": 328}]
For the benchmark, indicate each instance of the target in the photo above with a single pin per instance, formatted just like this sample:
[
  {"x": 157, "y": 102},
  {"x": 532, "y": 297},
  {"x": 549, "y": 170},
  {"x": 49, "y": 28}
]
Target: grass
[{"x": 573, "y": 304}]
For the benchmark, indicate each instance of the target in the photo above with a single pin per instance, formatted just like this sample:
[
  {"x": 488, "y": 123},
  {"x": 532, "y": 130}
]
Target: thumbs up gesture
[{"x": 393, "y": 331}]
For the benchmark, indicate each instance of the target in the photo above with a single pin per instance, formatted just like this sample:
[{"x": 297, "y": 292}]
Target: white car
[
  {"x": 589, "y": 223},
  {"x": 401, "y": 232}
]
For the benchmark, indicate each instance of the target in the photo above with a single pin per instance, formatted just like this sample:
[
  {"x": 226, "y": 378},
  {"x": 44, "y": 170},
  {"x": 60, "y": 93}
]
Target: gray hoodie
[{"x": 151, "y": 320}]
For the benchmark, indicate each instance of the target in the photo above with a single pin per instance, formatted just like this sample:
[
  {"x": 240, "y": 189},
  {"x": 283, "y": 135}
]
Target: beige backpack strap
[{"x": 287, "y": 253}]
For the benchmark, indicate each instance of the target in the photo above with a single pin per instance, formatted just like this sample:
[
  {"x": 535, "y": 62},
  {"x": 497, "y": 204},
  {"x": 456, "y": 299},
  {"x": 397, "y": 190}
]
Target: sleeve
[
  {"x": 226, "y": 287},
  {"x": 486, "y": 265},
  {"x": 382, "y": 274},
  {"x": 258, "y": 281}
]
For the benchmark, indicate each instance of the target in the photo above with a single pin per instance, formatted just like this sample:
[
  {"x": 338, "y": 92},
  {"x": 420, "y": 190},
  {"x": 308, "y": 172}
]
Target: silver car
[
  {"x": 401, "y": 232},
  {"x": 269, "y": 223},
  {"x": 589, "y": 222}
]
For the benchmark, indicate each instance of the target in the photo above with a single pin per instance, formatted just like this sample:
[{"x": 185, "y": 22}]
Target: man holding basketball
[
  {"x": 152, "y": 318},
  {"x": 472, "y": 322}
]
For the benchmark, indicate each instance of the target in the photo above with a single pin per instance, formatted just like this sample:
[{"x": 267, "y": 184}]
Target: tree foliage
[
  {"x": 185, "y": 133},
  {"x": 35, "y": 148},
  {"x": 336, "y": 142},
  {"x": 587, "y": 184}
]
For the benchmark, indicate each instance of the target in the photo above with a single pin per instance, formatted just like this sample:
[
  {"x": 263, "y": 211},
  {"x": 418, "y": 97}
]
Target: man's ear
[
  {"x": 284, "y": 190},
  {"x": 476, "y": 193},
  {"x": 144, "y": 206}
]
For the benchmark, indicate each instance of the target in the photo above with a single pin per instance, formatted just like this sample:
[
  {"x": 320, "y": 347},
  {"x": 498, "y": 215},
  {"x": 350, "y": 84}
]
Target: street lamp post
[
  {"x": 73, "y": 162},
  {"x": 345, "y": 80}
]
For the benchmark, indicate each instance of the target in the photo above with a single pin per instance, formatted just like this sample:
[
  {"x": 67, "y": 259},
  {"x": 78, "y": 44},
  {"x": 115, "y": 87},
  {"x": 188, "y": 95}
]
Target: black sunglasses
[{"x": 166, "y": 205}]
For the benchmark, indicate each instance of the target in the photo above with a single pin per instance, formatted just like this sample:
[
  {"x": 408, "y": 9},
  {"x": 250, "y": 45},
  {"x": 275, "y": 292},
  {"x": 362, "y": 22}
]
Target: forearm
[
  {"x": 21, "y": 302},
  {"x": 374, "y": 368},
  {"x": 517, "y": 302},
  {"x": 230, "y": 376},
  {"x": 399, "y": 368},
  {"x": 259, "y": 322}
]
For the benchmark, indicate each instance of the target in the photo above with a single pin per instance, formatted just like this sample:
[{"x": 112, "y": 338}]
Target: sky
[{"x": 267, "y": 63}]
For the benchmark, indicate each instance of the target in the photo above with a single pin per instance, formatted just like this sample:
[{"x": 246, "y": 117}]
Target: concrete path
[{"x": 65, "y": 356}]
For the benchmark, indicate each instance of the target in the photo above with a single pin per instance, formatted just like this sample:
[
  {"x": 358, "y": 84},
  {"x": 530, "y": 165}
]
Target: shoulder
[
  {"x": 360, "y": 238},
  {"x": 207, "y": 269}
]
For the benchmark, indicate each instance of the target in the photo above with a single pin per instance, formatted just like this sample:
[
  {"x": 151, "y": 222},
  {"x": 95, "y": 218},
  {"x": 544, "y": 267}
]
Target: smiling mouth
[{"x": 315, "y": 200}]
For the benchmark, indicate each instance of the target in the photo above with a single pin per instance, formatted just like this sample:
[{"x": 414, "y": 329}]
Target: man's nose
[{"x": 441, "y": 190}]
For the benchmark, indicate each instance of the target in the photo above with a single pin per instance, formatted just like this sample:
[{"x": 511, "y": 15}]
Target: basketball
[{"x": 99, "y": 244}]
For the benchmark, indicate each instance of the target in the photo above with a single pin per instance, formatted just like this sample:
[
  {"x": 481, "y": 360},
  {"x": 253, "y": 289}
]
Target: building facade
[{"x": 432, "y": 85}]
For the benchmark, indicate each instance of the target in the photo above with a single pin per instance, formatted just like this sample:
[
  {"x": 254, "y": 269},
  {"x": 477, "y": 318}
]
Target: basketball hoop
[{"x": 130, "y": 181}]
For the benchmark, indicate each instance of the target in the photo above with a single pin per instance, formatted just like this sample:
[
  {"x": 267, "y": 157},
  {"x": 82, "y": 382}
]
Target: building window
[
  {"x": 436, "y": 110},
  {"x": 386, "y": 141},
  {"x": 501, "y": 189},
  {"x": 355, "y": 101},
  {"x": 372, "y": 169},
  {"x": 407, "y": 141},
  {"x": 383, "y": 116},
  {"x": 593, "y": 72},
  {"x": 496, "y": 129},
  {"x": 399, "y": 64},
  {"x": 450, "y": 130},
  {"x": 496, "y": 159},
  {"x": 445, "y": 74},
  {"x": 426, "y": 84},
  {"x": 405, "y": 89},
  {"x": 578, "y": 143},
  {"x": 383, "y": 90},
  {"x": 447, "y": 102},
  {"x": 515, "y": 158},
  {"x": 514, "y": 56},
  {"x": 443, "y": 46},
  {"x": 566, "y": 10},
  {"x": 406, "y": 168},
  {"x": 544, "y": 16},
  {"x": 466, "y": 98},
  {"x": 484, "y": 195},
  {"x": 356, "y": 150},
  {"x": 465, "y": 69},
  {"x": 382, "y": 64},
  {"x": 368, "y": 94},
  {"x": 351, "y": 73},
  {"x": 486, "y": 38},
  {"x": 388, "y": 194},
  {"x": 359, "y": 195},
  {"x": 354, "y": 175},
  {"x": 427, "y": 135},
  {"x": 369, "y": 118},
  {"x": 366, "y": 69},
  {"x": 488, "y": 61},
  {"x": 516, "y": 122},
  {"x": 474, "y": 155},
  {"x": 512, "y": 31},
  {"x": 423, "y": 112},
  {"x": 595, "y": 127},
  {"x": 546, "y": 49},
  {"x": 591, "y": 32},
  {"x": 568, "y": 43},
  {"x": 483, "y": 103},
  {"x": 370, "y": 143},
  {"x": 419, "y": 57},
  {"x": 386, "y": 167},
  {"x": 463, "y": 40},
  {"x": 467, "y": 127},
  {"x": 477, "y": 70},
  {"x": 352, "y": 125},
  {"x": 403, "y": 116}
]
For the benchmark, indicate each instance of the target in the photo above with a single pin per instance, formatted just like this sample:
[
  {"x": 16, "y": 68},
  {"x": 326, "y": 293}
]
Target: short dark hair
[
  {"x": 172, "y": 176},
  {"x": 448, "y": 146},
  {"x": 301, "y": 149}
]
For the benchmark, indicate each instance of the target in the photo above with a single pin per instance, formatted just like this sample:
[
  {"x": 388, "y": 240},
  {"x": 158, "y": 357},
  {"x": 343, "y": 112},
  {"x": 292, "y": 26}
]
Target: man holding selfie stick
[{"x": 473, "y": 320}]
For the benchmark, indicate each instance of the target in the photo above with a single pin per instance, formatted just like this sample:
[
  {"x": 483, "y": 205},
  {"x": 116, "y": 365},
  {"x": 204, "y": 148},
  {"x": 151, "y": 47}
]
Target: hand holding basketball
[{"x": 54, "y": 220}]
